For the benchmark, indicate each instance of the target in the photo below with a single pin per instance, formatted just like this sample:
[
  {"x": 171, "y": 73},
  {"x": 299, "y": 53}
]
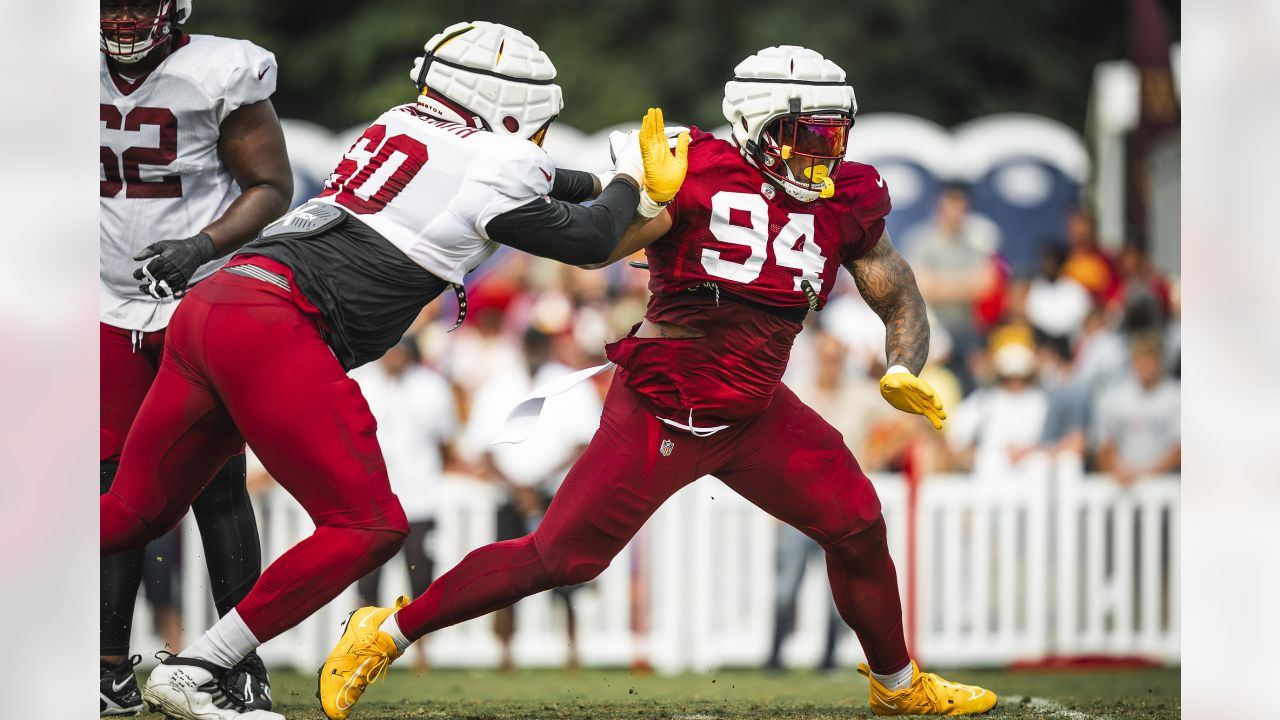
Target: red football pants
[
  {"x": 125, "y": 375},
  {"x": 243, "y": 361},
  {"x": 787, "y": 461}
]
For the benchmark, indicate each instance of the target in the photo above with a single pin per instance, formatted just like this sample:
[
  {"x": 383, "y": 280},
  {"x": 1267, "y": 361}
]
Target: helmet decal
[{"x": 492, "y": 73}]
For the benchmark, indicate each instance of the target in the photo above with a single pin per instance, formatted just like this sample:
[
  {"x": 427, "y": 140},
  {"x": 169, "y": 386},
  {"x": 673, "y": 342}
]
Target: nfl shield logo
[
  {"x": 666, "y": 447},
  {"x": 767, "y": 190}
]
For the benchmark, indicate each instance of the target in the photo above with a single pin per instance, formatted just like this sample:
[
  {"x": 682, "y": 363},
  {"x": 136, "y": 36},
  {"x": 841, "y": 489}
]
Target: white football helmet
[
  {"x": 130, "y": 40},
  {"x": 789, "y": 102},
  {"x": 487, "y": 75}
]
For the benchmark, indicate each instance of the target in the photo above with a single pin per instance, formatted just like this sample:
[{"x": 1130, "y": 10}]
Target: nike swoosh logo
[
  {"x": 365, "y": 619},
  {"x": 263, "y": 73},
  {"x": 975, "y": 694},
  {"x": 545, "y": 174},
  {"x": 342, "y": 694},
  {"x": 118, "y": 686},
  {"x": 879, "y": 180}
]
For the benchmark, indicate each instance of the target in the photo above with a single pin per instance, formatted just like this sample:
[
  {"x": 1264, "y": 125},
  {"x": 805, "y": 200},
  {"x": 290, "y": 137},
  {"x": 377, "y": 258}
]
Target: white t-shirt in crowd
[
  {"x": 995, "y": 421},
  {"x": 1144, "y": 425},
  {"x": 416, "y": 418},
  {"x": 1057, "y": 308},
  {"x": 568, "y": 421}
]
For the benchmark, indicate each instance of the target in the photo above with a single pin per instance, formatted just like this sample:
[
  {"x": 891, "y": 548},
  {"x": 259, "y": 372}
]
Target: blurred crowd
[{"x": 1082, "y": 357}]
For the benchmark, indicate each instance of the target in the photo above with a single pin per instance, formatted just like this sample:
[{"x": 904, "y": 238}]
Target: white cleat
[{"x": 188, "y": 689}]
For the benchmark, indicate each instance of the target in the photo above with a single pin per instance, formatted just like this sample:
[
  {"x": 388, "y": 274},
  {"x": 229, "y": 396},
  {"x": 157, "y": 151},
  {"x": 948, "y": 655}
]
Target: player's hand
[
  {"x": 663, "y": 171},
  {"x": 912, "y": 395},
  {"x": 624, "y": 150},
  {"x": 171, "y": 263}
]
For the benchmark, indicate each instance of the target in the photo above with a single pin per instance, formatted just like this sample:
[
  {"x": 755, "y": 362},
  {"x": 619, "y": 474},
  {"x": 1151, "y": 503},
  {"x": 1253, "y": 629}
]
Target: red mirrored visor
[{"x": 823, "y": 136}]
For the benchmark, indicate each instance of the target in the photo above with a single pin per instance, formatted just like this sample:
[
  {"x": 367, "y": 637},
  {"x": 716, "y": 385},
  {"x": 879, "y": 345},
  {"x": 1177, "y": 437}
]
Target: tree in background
[{"x": 343, "y": 62}]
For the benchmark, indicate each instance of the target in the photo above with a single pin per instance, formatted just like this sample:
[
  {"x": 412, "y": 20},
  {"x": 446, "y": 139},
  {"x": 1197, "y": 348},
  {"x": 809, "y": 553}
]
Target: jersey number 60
[{"x": 375, "y": 170}]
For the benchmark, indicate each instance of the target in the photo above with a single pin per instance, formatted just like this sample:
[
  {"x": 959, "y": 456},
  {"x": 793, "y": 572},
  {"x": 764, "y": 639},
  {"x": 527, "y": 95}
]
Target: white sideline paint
[
  {"x": 1049, "y": 708},
  {"x": 1003, "y": 576}
]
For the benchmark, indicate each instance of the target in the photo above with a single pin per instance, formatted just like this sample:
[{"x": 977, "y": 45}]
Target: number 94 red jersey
[{"x": 734, "y": 228}]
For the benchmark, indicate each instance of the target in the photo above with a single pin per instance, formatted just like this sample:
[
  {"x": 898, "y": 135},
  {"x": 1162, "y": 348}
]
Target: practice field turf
[{"x": 606, "y": 695}]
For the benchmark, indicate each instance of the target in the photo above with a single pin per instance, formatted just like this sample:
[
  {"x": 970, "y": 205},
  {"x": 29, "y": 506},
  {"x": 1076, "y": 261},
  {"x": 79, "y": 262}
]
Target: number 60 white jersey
[
  {"x": 161, "y": 174},
  {"x": 430, "y": 186}
]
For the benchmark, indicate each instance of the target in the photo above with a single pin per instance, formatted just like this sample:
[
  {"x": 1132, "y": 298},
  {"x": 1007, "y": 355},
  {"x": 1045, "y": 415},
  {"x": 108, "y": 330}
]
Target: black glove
[{"x": 172, "y": 264}]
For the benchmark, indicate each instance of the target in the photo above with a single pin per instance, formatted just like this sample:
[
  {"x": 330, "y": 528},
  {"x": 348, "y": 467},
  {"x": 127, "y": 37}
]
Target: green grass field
[{"x": 608, "y": 695}]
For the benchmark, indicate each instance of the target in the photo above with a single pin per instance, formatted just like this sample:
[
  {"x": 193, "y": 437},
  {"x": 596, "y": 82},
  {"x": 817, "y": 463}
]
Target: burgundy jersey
[{"x": 733, "y": 228}]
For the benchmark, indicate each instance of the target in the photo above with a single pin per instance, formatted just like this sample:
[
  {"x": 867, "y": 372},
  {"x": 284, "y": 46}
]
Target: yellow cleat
[
  {"x": 928, "y": 695},
  {"x": 360, "y": 659}
]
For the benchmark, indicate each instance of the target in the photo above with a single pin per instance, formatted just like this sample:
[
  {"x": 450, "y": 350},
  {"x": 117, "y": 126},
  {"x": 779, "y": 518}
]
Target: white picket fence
[{"x": 1050, "y": 563}]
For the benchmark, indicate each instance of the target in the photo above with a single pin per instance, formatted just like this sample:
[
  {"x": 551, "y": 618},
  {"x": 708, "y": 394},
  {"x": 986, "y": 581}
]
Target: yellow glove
[
  {"x": 663, "y": 172},
  {"x": 912, "y": 395}
]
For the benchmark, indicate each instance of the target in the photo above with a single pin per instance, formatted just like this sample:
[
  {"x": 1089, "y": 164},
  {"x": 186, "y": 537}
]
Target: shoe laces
[
  {"x": 252, "y": 666},
  {"x": 936, "y": 689},
  {"x": 381, "y": 661}
]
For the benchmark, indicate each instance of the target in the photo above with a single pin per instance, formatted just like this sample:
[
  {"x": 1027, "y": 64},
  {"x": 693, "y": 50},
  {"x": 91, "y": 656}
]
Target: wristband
[{"x": 648, "y": 207}]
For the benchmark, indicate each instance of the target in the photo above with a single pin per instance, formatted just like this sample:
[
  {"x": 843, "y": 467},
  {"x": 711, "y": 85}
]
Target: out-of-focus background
[{"x": 1032, "y": 151}]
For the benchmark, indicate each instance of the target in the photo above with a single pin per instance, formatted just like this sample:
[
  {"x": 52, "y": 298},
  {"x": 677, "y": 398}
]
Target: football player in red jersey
[
  {"x": 193, "y": 166},
  {"x": 750, "y": 244}
]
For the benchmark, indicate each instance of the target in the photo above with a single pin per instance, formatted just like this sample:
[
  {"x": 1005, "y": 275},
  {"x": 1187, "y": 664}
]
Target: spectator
[
  {"x": 1065, "y": 418},
  {"x": 1140, "y": 286},
  {"x": 1056, "y": 304},
  {"x": 850, "y": 401},
  {"x": 995, "y": 427},
  {"x": 1100, "y": 353},
  {"x": 531, "y": 471},
  {"x": 1139, "y": 425},
  {"x": 951, "y": 258},
  {"x": 414, "y": 408},
  {"x": 1086, "y": 263}
]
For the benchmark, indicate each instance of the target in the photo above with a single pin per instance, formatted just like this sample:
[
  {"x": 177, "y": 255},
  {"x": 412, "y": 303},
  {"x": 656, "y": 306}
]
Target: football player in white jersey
[
  {"x": 193, "y": 166},
  {"x": 260, "y": 350}
]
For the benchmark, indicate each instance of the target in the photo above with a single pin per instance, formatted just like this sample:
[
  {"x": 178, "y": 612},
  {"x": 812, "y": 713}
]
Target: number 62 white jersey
[
  {"x": 161, "y": 175},
  {"x": 430, "y": 186}
]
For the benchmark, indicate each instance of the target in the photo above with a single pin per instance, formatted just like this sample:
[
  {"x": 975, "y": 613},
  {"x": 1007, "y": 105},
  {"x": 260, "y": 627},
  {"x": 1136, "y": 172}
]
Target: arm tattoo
[{"x": 889, "y": 287}]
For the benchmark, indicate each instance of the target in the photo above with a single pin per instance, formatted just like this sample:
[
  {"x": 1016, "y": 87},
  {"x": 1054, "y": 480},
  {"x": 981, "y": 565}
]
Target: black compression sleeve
[
  {"x": 573, "y": 185},
  {"x": 569, "y": 233}
]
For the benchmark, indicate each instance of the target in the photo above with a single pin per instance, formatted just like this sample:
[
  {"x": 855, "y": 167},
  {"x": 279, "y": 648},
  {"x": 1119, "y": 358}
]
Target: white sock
[
  {"x": 895, "y": 681},
  {"x": 391, "y": 626},
  {"x": 225, "y": 644}
]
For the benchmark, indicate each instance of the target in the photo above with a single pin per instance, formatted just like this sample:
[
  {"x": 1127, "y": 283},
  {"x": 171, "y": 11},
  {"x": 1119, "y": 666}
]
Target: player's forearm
[
  {"x": 572, "y": 234},
  {"x": 906, "y": 334},
  {"x": 639, "y": 235},
  {"x": 256, "y": 207},
  {"x": 575, "y": 186}
]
